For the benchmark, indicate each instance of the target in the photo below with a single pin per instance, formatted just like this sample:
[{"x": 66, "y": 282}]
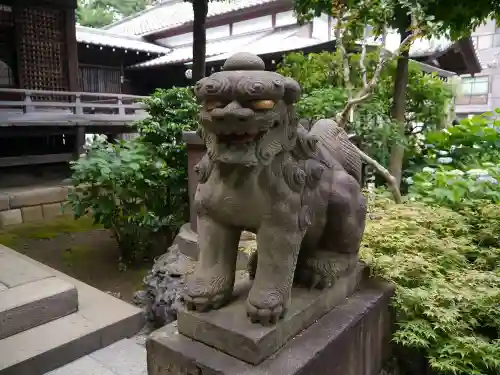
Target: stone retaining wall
[{"x": 33, "y": 204}]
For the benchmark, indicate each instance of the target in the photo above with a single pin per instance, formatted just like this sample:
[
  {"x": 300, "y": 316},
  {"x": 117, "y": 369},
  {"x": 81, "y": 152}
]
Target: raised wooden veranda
[{"x": 74, "y": 114}]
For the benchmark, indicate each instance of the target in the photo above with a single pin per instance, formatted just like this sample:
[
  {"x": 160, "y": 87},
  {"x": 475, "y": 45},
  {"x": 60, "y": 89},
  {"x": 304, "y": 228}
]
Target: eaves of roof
[
  {"x": 174, "y": 13},
  {"x": 106, "y": 38}
]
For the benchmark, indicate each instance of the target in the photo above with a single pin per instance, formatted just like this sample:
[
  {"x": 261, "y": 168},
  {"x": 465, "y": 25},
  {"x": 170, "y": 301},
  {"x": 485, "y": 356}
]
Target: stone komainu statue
[{"x": 298, "y": 191}]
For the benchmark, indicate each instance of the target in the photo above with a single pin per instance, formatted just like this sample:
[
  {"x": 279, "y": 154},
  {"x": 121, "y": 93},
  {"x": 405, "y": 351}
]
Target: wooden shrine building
[{"x": 59, "y": 81}]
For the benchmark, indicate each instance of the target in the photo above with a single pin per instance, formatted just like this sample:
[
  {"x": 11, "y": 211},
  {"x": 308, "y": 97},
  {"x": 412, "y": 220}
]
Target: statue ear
[{"x": 292, "y": 91}]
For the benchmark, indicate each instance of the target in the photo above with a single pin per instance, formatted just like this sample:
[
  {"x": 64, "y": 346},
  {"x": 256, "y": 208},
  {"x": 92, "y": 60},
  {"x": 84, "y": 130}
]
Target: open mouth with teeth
[
  {"x": 240, "y": 138},
  {"x": 244, "y": 138}
]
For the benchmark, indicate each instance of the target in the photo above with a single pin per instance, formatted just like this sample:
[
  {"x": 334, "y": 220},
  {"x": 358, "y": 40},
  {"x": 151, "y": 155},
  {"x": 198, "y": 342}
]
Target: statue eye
[
  {"x": 263, "y": 104},
  {"x": 213, "y": 104}
]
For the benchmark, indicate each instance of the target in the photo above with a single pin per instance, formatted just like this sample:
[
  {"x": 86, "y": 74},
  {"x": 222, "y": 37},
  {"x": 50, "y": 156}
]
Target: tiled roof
[
  {"x": 106, "y": 38},
  {"x": 184, "y": 53},
  {"x": 172, "y": 13},
  {"x": 283, "y": 40},
  {"x": 275, "y": 41}
]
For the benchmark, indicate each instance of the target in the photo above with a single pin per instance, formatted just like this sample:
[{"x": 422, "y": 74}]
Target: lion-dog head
[{"x": 247, "y": 115}]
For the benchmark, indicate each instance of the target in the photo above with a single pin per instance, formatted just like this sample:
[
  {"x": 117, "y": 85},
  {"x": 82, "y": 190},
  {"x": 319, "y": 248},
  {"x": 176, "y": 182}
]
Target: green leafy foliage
[
  {"x": 442, "y": 250},
  {"x": 139, "y": 187},
  {"x": 321, "y": 78},
  {"x": 99, "y": 13},
  {"x": 447, "y": 281},
  {"x": 439, "y": 18},
  {"x": 462, "y": 164}
]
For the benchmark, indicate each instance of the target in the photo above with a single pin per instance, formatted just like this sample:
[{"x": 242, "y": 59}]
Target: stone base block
[
  {"x": 229, "y": 329},
  {"x": 352, "y": 339},
  {"x": 187, "y": 241}
]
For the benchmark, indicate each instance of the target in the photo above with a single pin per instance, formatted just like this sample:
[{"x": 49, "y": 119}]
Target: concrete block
[
  {"x": 83, "y": 366},
  {"x": 32, "y": 214},
  {"x": 39, "y": 196},
  {"x": 10, "y": 217},
  {"x": 52, "y": 210},
  {"x": 124, "y": 357},
  {"x": 229, "y": 329},
  {"x": 352, "y": 339},
  {"x": 4, "y": 202},
  {"x": 16, "y": 271},
  {"x": 36, "y": 303}
]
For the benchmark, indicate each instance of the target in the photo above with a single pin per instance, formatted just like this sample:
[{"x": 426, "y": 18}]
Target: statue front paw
[
  {"x": 208, "y": 290},
  {"x": 266, "y": 306}
]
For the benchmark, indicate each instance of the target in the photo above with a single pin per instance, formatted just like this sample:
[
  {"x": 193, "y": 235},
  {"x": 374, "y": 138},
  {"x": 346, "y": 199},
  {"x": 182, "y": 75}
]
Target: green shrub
[
  {"x": 447, "y": 281},
  {"x": 321, "y": 77},
  {"x": 463, "y": 165},
  {"x": 139, "y": 187}
]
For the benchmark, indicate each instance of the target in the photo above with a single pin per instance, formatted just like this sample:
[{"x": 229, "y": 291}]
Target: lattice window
[
  {"x": 100, "y": 79},
  {"x": 42, "y": 48}
]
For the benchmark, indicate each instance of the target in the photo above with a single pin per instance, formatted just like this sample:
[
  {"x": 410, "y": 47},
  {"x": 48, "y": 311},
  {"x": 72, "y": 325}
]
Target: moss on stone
[{"x": 45, "y": 230}]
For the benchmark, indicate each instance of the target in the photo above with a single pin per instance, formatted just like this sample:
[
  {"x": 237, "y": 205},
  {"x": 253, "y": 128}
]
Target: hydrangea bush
[{"x": 463, "y": 164}]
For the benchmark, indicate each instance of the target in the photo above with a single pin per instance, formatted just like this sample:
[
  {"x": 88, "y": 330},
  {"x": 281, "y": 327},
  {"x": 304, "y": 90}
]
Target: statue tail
[{"x": 334, "y": 139}]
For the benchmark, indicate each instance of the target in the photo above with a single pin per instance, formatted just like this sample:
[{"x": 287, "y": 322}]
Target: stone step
[
  {"x": 35, "y": 303},
  {"x": 100, "y": 321},
  {"x": 125, "y": 357}
]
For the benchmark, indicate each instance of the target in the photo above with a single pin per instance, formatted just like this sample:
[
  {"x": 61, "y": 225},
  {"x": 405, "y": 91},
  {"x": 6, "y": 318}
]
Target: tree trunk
[
  {"x": 399, "y": 107},
  {"x": 200, "y": 10}
]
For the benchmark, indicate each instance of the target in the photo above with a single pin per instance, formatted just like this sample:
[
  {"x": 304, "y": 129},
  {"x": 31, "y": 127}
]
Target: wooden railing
[{"x": 58, "y": 108}]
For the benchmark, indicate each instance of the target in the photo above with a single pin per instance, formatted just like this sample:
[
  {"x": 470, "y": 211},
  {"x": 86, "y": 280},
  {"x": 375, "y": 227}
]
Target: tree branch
[
  {"x": 366, "y": 91},
  {"x": 362, "y": 66},
  {"x": 392, "y": 183},
  {"x": 339, "y": 42}
]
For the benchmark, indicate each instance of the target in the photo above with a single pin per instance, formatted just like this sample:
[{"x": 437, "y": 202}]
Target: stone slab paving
[
  {"x": 100, "y": 321},
  {"x": 125, "y": 357},
  {"x": 15, "y": 270}
]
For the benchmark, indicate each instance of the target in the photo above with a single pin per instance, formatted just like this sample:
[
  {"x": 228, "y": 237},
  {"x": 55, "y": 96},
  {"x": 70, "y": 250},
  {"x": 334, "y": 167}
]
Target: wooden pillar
[
  {"x": 71, "y": 50},
  {"x": 72, "y": 72},
  {"x": 196, "y": 150},
  {"x": 79, "y": 142}
]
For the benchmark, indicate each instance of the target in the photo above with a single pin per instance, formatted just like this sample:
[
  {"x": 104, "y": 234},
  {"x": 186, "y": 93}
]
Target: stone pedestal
[
  {"x": 352, "y": 338},
  {"x": 187, "y": 243},
  {"x": 195, "y": 150}
]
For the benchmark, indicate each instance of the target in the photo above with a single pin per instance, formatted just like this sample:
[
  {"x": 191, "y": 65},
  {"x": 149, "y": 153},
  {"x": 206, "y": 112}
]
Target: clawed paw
[
  {"x": 265, "y": 307},
  {"x": 204, "y": 293},
  {"x": 206, "y": 303}
]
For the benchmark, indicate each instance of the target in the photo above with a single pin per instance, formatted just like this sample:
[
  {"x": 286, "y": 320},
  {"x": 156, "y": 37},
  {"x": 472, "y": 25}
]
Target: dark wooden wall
[{"x": 145, "y": 81}]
